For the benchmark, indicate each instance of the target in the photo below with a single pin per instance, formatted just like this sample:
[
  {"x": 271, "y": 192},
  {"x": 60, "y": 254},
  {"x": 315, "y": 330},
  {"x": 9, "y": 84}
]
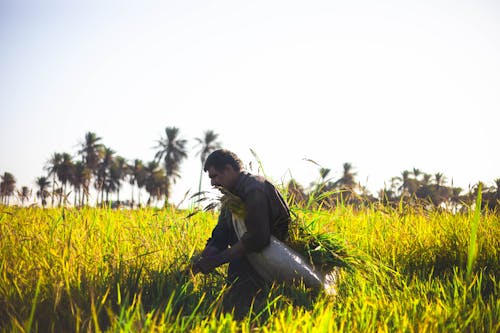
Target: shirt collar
[{"x": 238, "y": 189}]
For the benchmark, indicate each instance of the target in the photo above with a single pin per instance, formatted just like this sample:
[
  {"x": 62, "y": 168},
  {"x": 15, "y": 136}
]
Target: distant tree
[
  {"x": 440, "y": 179},
  {"x": 495, "y": 194},
  {"x": 441, "y": 193},
  {"x": 7, "y": 187},
  {"x": 497, "y": 188},
  {"x": 66, "y": 173},
  {"x": 117, "y": 173},
  {"x": 207, "y": 144},
  {"x": 155, "y": 182},
  {"x": 437, "y": 193},
  {"x": 329, "y": 193},
  {"x": 323, "y": 173},
  {"x": 426, "y": 179},
  {"x": 455, "y": 197},
  {"x": 137, "y": 177},
  {"x": 172, "y": 150},
  {"x": 24, "y": 194},
  {"x": 81, "y": 182},
  {"x": 491, "y": 195},
  {"x": 427, "y": 193},
  {"x": 103, "y": 172},
  {"x": 347, "y": 181},
  {"x": 43, "y": 184},
  {"x": 404, "y": 180},
  {"x": 52, "y": 167},
  {"x": 91, "y": 151},
  {"x": 416, "y": 173},
  {"x": 322, "y": 184}
]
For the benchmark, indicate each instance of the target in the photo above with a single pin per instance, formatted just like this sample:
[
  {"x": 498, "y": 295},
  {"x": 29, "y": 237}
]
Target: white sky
[{"x": 384, "y": 85}]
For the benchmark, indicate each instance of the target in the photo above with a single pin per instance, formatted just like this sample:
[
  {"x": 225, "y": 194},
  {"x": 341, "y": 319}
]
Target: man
[{"x": 266, "y": 213}]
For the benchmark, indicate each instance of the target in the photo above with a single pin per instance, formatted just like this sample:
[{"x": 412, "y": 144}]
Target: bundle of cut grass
[{"x": 324, "y": 250}]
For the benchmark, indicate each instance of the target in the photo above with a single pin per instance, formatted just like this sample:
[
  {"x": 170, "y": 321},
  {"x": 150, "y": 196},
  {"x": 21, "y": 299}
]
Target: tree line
[
  {"x": 99, "y": 167},
  {"x": 411, "y": 187}
]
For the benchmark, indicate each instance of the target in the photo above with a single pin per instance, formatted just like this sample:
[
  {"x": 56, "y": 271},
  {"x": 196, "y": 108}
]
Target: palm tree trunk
[
  {"x": 102, "y": 194},
  {"x": 53, "y": 188},
  {"x": 87, "y": 194},
  {"x": 201, "y": 176},
  {"x": 66, "y": 195},
  {"x": 132, "y": 197}
]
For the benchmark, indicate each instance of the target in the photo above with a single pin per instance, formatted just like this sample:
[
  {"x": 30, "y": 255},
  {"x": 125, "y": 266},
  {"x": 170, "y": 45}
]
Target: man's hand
[
  {"x": 212, "y": 258},
  {"x": 207, "y": 264}
]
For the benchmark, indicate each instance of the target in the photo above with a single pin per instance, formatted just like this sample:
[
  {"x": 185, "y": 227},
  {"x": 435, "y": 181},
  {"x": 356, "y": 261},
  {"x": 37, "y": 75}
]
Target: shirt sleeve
[
  {"x": 258, "y": 233},
  {"x": 221, "y": 233}
]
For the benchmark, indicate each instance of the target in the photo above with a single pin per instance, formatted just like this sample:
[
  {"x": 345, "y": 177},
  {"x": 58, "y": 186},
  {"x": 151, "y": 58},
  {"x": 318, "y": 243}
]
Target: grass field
[{"x": 79, "y": 270}]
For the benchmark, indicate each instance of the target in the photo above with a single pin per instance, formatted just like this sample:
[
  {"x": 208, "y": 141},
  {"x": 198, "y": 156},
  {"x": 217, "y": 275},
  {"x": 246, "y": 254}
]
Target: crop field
[{"x": 91, "y": 270}]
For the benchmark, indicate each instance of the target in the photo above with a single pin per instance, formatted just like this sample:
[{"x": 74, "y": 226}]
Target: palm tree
[
  {"x": 491, "y": 196},
  {"x": 207, "y": 145},
  {"x": 7, "y": 187},
  {"x": 497, "y": 188},
  {"x": 81, "y": 182},
  {"x": 455, "y": 196},
  {"x": 155, "y": 181},
  {"x": 43, "y": 183},
  {"x": 435, "y": 193},
  {"x": 405, "y": 182},
  {"x": 52, "y": 167},
  {"x": 137, "y": 176},
  {"x": 24, "y": 194},
  {"x": 323, "y": 184},
  {"x": 66, "y": 173},
  {"x": 440, "y": 179},
  {"x": 426, "y": 179},
  {"x": 416, "y": 173},
  {"x": 323, "y": 173},
  {"x": 347, "y": 181},
  {"x": 117, "y": 172},
  {"x": 173, "y": 151},
  {"x": 102, "y": 172},
  {"x": 91, "y": 151}
]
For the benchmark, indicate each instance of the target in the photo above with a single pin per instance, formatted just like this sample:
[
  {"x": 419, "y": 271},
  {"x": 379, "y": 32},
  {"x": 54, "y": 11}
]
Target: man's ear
[{"x": 228, "y": 168}]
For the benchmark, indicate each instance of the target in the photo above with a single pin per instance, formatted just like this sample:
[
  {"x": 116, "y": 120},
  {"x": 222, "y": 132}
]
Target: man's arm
[
  {"x": 217, "y": 242},
  {"x": 257, "y": 237},
  {"x": 210, "y": 251},
  {"x": 257, "y": 221},
  {"x": 207, "y": 263}
]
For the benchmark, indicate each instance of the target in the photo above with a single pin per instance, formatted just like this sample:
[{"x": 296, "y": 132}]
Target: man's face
[{"x": 225, "y": 178}]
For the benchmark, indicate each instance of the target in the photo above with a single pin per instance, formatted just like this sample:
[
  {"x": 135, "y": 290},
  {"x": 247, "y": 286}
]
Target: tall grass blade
[
  {"x": 472, "y": 253},
  {"x": 33, "y": 306}
]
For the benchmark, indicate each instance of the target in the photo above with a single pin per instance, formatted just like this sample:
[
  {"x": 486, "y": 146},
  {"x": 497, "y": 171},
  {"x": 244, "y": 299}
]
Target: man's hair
[{"x": 220, "y": 158}]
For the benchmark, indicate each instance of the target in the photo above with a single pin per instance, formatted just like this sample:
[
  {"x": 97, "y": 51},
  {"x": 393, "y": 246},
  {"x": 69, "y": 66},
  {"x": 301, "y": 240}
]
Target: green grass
[{"x": 104, "y": 270}]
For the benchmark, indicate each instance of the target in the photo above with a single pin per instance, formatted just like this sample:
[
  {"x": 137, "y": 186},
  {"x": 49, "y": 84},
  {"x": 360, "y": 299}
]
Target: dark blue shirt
[{"x": 266, "y": 213}]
